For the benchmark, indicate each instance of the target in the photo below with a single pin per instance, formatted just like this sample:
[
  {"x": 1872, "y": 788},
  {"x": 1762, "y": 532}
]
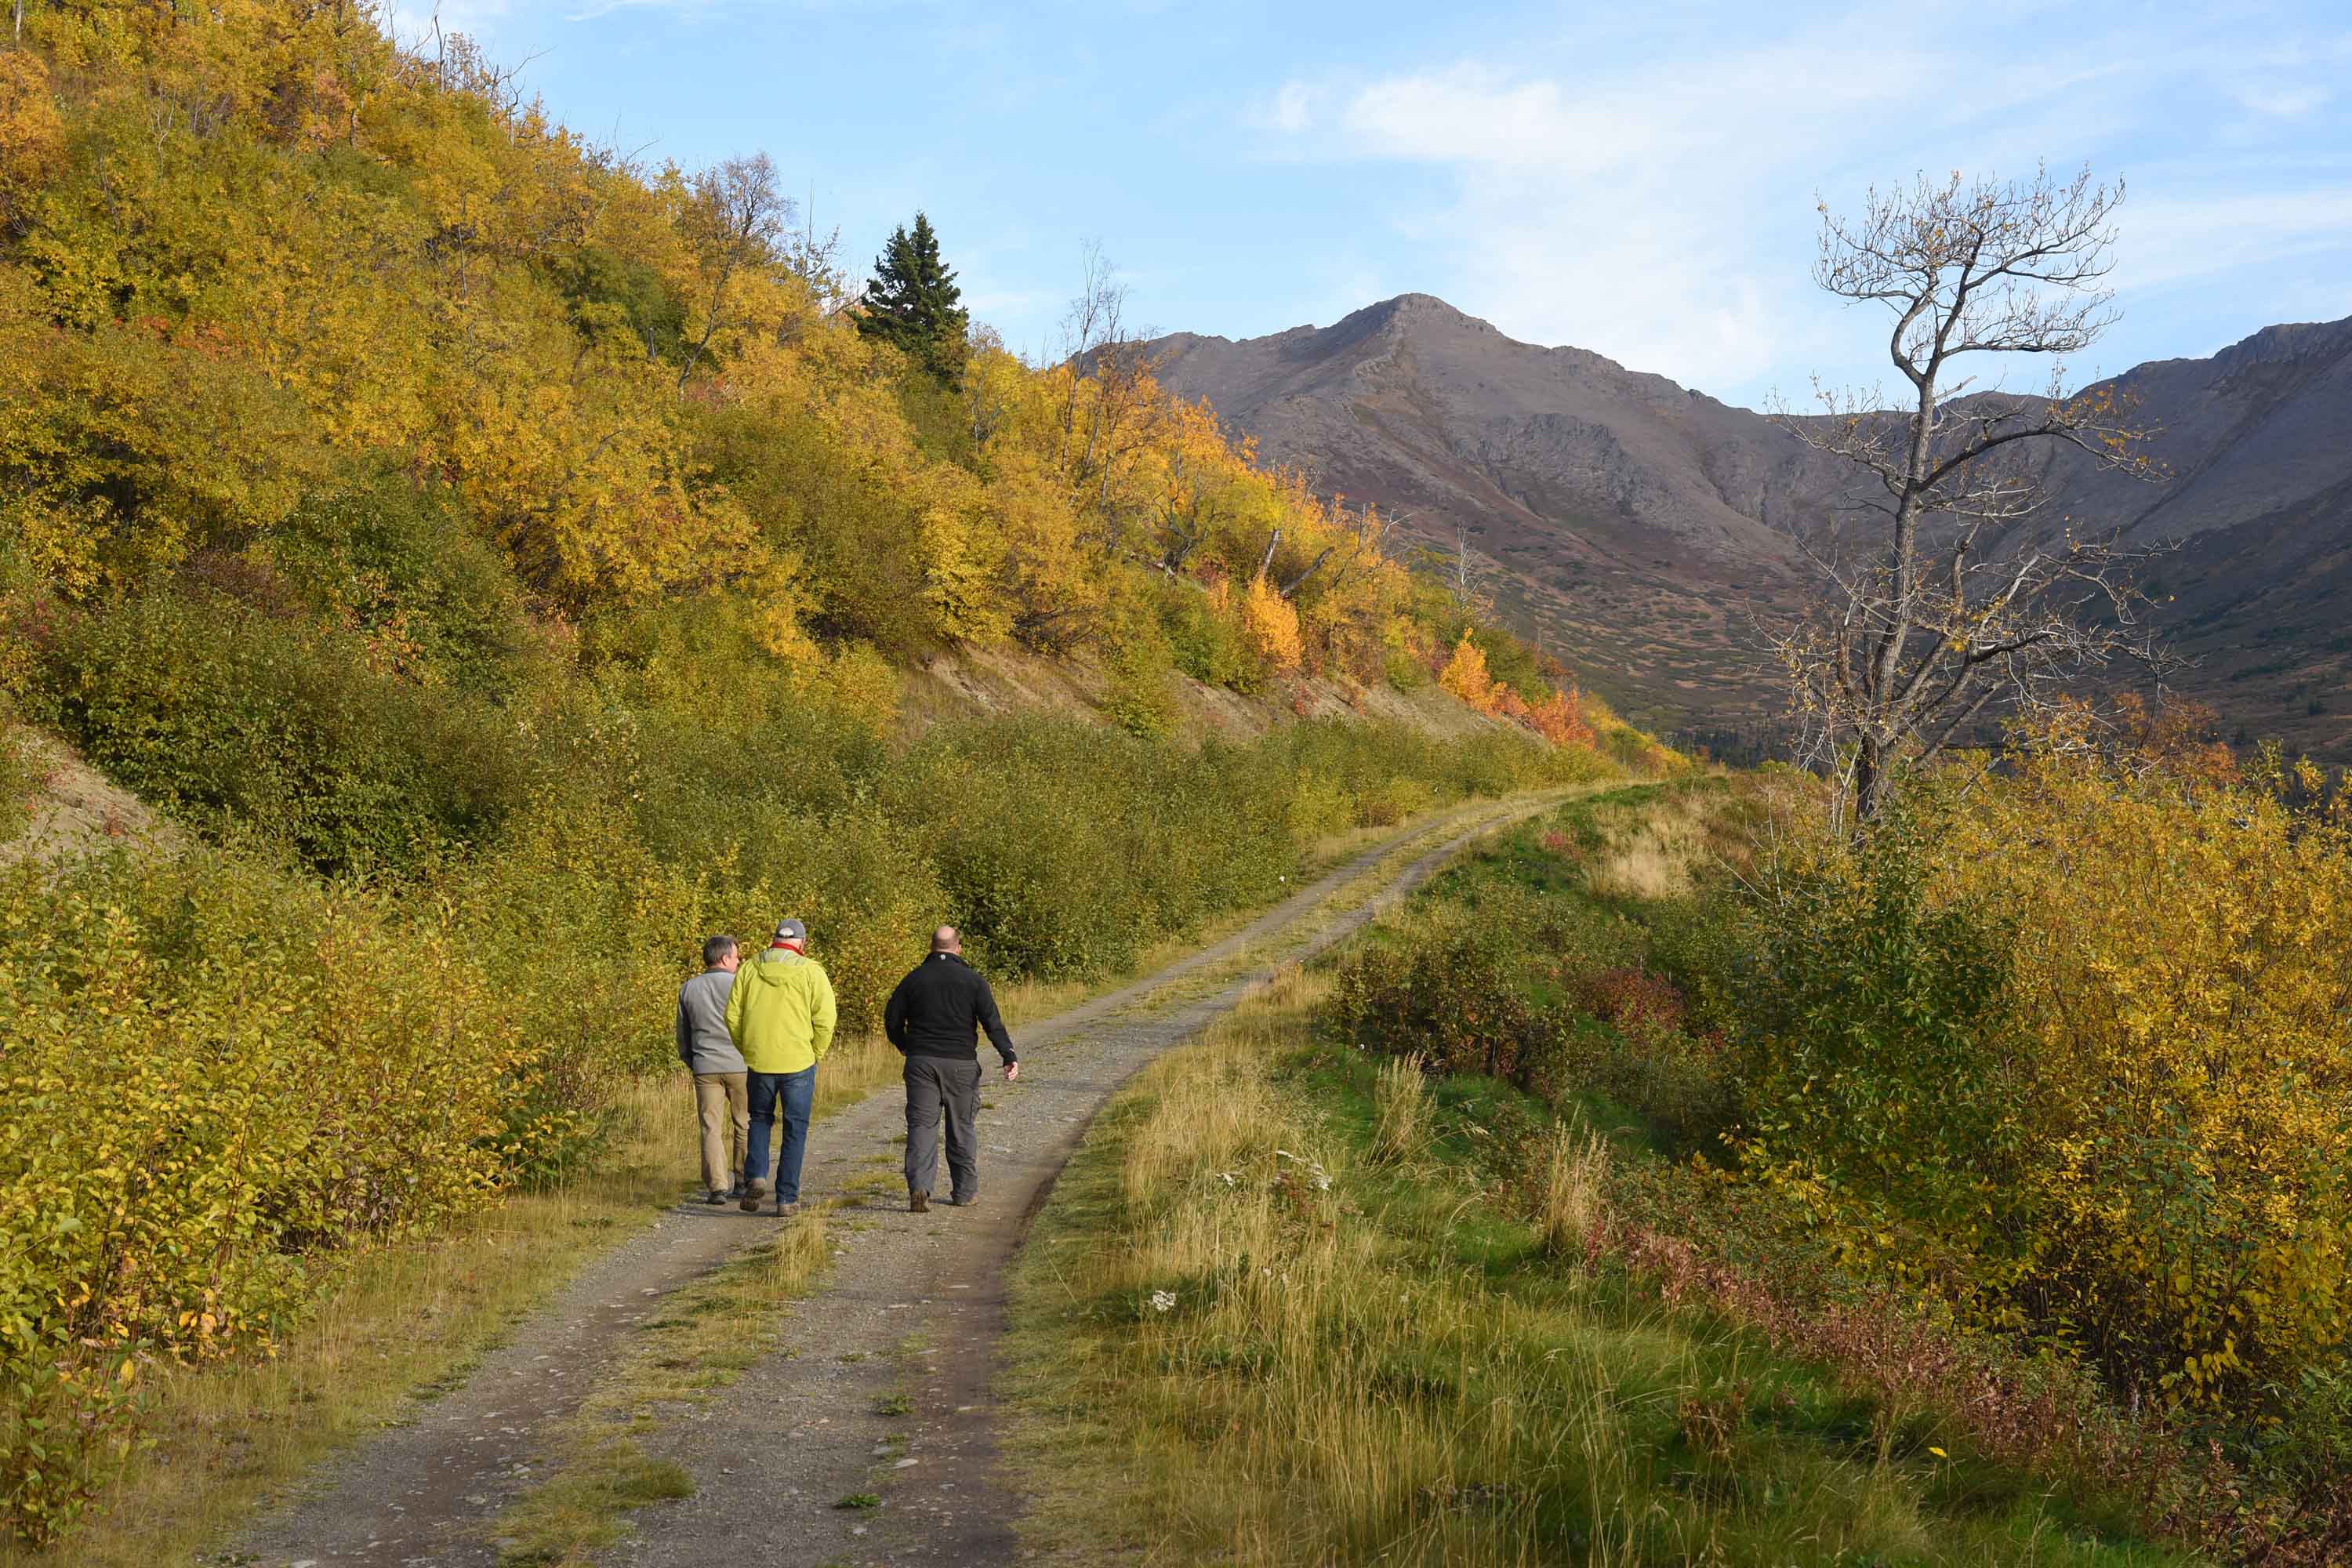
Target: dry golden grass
[
  {"x": 1316, "y": 1459},
  {"x": 1401, "y": 1097},
  {"x": 1574, "y": 1182},
  {"x": 1233, "y": 1346},
  {"x": 855, "y": 1066},
  {"x": 1652, "y": 852}
]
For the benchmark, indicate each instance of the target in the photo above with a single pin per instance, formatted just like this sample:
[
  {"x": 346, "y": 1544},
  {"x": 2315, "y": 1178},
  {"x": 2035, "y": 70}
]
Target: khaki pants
[{"x": 722, "y": 1102}]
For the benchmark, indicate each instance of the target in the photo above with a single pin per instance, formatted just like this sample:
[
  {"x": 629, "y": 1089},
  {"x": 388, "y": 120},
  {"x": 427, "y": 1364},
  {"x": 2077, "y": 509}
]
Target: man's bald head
[{"x": 946, "y": 939}]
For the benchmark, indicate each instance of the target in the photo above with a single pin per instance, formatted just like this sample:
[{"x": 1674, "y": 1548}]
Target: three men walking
[
  {"x": 934, "y": 1018},
  {"x": 754, "y": 1034}
]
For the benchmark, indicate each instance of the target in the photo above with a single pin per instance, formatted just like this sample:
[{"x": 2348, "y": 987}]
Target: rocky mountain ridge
[{"x": 1637, "y": 527}]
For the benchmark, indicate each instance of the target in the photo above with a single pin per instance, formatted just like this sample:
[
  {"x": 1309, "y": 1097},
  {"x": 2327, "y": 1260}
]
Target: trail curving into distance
[{"x": 911, "y": 1302}]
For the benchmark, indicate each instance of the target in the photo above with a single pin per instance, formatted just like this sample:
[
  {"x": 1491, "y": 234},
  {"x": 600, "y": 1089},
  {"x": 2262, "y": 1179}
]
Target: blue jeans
[{"x": 788, "y": 1095}]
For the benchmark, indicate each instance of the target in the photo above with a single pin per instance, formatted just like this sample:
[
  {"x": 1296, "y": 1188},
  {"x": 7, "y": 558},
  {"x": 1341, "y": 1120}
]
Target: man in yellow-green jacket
[{"x": 779, "y": 1014}]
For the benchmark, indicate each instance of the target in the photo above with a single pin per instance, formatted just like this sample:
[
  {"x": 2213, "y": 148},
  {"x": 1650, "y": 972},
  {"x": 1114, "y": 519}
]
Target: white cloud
[
  {"x": 1620, "y": 214},
  {"x": 1661, "y": 213},
  {"x": 1295, "y": 108}
]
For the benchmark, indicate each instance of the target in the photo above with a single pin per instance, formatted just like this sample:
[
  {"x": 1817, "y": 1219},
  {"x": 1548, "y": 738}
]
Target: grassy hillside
[{"x": 1667, "y": 1186}]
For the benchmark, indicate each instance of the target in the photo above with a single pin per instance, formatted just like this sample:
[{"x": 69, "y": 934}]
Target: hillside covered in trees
[{"x": 340, "y": 332}]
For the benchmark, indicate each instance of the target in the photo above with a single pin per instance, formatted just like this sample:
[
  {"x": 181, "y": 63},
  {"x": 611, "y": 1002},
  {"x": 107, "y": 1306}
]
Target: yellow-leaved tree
[
  {"x": 1465, "y": 675},
  {"x": 1272, "y": 628},
  {"x": 32, "y": 135},
  {"x": 2178, "y": 979}
]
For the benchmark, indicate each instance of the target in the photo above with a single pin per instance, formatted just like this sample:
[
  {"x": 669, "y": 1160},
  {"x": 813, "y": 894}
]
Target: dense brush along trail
[{"x": 876, "y": 1392}]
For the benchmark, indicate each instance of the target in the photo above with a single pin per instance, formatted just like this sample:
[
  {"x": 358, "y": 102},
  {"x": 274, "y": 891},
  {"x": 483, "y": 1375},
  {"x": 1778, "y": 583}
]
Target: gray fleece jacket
[{"x": 703, "y": 1042}]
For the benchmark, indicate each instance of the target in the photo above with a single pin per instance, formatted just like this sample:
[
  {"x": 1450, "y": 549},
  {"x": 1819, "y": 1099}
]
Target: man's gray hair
[{"x": 715, "y": 948}]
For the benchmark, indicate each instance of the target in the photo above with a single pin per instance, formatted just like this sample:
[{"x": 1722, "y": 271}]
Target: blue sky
[{"x": 1637, "y": 181}]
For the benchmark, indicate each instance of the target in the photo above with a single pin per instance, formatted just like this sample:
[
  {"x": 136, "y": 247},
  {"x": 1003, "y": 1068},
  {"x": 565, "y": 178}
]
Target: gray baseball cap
[{"x": 790, "y": 930}]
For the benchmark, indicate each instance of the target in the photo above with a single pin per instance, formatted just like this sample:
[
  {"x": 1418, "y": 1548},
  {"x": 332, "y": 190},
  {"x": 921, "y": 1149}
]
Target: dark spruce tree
[{"x": 913, "y": 302}]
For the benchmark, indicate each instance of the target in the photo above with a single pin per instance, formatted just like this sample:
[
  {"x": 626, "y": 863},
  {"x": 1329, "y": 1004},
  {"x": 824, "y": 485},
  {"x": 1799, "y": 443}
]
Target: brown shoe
[
  {"x": 752, "y": 1193},
  {"x": 786, "y": 1211},
  {"x": 919, "y": 1201}
]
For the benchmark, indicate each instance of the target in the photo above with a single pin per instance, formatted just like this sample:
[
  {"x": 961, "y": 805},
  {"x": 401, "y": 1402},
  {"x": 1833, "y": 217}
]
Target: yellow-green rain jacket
[{"x": 781, "y": 1012}]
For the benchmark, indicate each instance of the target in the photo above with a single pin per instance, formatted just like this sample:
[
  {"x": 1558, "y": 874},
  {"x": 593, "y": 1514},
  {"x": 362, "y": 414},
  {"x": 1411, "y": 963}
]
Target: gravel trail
[
  {"x": 912, "y": 1306},
  {"x": 913, "y": 1310}
]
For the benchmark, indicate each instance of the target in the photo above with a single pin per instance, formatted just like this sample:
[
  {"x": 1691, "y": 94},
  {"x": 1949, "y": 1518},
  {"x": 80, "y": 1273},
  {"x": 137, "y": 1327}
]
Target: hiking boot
[
  {"x": 752, "y": 1193},
  {"x": 786, "y": 1211},
  {"x": 963, "y": 1200},
  {"x": 919, "y": 1201},
  {"x": 734, "y": 1192},
  {"x": 716, "y": 1197}
]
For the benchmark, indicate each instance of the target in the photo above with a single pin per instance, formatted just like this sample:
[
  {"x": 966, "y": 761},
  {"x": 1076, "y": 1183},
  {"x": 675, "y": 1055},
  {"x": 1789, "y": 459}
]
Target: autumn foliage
[
  {"x": 2035, "y": 1112},
  {"x": 246, "y": 260}
]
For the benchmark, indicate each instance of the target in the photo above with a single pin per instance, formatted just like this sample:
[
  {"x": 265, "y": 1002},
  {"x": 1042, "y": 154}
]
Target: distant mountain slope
[{"x": 1627, "y": 519}]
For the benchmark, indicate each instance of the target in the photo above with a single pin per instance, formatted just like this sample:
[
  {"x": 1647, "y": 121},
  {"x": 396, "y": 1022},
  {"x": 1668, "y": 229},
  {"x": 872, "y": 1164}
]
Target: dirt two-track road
[{"x": 911, "y": 1311}]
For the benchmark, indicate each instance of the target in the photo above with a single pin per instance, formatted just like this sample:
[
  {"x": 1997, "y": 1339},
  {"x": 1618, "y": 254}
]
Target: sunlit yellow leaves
[
  {"x": 1465, "y": 677},
  {"x": 2180, "y": 979},
  {"x": 32, "y": 136},
  {"x": 1272, "y": 627},
  {"x": 252, "y": 259},
  {"x": 960, "y": 568}
]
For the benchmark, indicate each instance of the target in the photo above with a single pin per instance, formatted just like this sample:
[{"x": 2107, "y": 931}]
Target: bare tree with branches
[
  {"x": 1465, "y": 578},
  {"x": 815, "y": 261},
  {"x": 1105, "y": 419},
  {"x": 1093, "y": 323},
  {"x": 1948, "y": 593}
]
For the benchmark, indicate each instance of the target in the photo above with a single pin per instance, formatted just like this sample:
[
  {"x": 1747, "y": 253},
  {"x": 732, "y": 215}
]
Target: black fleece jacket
[{"x": 939, "y": 1008}]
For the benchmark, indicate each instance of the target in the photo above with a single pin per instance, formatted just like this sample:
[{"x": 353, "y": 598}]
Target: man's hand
[{"x": 1011, "y": 1071}]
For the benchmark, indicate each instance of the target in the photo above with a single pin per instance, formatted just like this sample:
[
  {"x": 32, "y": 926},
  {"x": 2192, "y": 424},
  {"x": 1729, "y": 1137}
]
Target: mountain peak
[{"x": 1406, "y": 310}]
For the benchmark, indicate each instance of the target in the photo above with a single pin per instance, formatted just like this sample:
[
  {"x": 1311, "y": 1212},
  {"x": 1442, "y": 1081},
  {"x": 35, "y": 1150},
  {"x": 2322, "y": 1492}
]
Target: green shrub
[
  {"x": 1458, "y": 995},
  {"x": 1872, "y": 1053},
  {"x": 1405, "y": 671},
  {"x": 1066, "y": 849},
  {"x": 402, "y": 567},
  {"x": 1140, "y": 699},
  {"x": 1321, "y": 806},
  {"x": 16, "y": 777},
  {"x": 1201, "y": 643},
  {"x": 217, "y": 1075},
  {"x": 67, "y": 1420},
  {"x": 206, "y": 706}
]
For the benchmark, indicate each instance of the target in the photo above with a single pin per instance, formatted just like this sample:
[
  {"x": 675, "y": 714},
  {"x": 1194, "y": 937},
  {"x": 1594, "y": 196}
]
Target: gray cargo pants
[{"x": 936, "y": 1084}]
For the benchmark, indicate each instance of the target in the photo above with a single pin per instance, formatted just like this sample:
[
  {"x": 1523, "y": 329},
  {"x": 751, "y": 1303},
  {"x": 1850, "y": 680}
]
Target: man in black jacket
[{"x": 934, "y": 1017}]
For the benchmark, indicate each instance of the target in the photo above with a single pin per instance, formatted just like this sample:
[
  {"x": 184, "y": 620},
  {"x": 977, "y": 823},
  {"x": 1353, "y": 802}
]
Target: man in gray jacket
[{"x": 720, "y": 1098}]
